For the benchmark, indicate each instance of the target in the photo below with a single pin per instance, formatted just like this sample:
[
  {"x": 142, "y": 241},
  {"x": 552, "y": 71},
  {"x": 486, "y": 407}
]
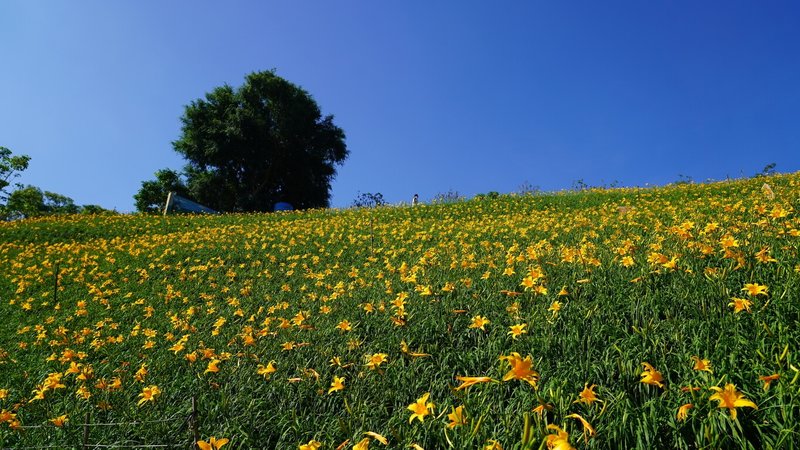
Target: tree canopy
[
  {"x": 10, "y": 167},
  {"x": 249, "y": 148}
]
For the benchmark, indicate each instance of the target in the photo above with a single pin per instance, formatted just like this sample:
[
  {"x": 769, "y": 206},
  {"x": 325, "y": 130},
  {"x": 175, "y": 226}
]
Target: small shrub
[
  {"x": 368, "y": 200},
  {"x": 450, "y": 196}
]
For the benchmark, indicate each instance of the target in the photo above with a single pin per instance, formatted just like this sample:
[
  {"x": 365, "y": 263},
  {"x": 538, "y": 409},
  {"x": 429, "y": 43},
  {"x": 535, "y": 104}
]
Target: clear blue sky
[{"x": 472, "y": 96}]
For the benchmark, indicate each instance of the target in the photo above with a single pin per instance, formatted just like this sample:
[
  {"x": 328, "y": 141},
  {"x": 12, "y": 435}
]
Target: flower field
[{"x": 625, "y": 318}]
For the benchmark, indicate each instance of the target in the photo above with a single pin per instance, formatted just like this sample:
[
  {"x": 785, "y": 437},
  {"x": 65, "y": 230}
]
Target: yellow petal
[
  {"x": 362, "y": 444},
  {"x": 744, "y": 402},
  {"x": 377, "y": 437},
  {"x": 586, "y": 425}
]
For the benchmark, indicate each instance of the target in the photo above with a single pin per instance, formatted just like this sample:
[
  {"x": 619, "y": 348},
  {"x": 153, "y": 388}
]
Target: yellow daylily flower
[
  {"x": 60, "y": 420},
  {"x": 587, "y": 427},
  {"x": 479, "y": 322},
  {"x": 311, "y": 445},
  {"x": 521, "y": 369},
  {"x": 336, "y": 385},
  {"x": 740, "y": 304},
  {"x": 212, "y": 366},
  {"x": 754, "y": 289},
  {"x": 380, "y": 438},
  {"x": 683, "y": 411},
  {"x": 213, "y": 443},
  {"x": 149, "y": 394},
  {"x": 265, "y": 371},
  {"x": 456, "y": 417},
  {"x": 517, "y": 330},
  {"x": 701, "y": 364},
  {"x": 651, "y": 376},
  {"x": 559, "y": 440},
  {"x": 362, "y": 444},
  {"x": 469, "y": 381},
  {"x": 730, "y": 398},
  {"x": 421, "y": 408},
  {"x": 492, "y": 444},
  {"x": 404, "y": 348},
  {"x": 375, "y": 360}
]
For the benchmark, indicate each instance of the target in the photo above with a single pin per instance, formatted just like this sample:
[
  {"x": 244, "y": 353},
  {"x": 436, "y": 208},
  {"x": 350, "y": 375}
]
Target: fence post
[
  {"x": 193, "y": 423},
  {"x": 55, "y": 285},
  {"x": 86, "y": 430}
]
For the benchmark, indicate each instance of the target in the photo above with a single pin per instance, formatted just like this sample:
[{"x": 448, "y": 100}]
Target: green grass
[{"x": 191, "y": 271}]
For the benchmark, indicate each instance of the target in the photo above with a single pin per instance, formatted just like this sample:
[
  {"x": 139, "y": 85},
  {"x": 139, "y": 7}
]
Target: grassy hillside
[{"x": 593, "y": 317}]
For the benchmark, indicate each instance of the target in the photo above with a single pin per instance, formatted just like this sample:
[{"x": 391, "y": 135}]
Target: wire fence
[
  {"x": 189, "y": 442},
  {"x": 108, "y": 424}
]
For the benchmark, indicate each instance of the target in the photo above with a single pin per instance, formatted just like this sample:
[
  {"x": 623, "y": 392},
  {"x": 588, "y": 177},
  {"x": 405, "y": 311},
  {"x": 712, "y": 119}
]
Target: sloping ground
[{"x": 604, "y": 313}]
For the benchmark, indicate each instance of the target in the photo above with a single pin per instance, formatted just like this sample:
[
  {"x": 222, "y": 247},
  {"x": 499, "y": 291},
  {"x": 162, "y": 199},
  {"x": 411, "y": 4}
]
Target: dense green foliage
[
  {"x": 10, "y": 167},
  {"x": 30, "y": 201},
  {"x": 249, "y": 148},
  {"x": 153, "y": 194},
  {"x": 604, "y": 280}
]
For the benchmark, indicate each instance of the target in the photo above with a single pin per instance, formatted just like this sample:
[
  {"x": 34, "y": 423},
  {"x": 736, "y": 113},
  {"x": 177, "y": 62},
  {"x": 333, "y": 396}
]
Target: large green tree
[{"x": 262, "y": 143}]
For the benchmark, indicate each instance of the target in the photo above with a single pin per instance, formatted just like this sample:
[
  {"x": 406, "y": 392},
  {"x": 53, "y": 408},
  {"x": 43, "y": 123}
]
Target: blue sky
[{"x": 473, "y": 96}]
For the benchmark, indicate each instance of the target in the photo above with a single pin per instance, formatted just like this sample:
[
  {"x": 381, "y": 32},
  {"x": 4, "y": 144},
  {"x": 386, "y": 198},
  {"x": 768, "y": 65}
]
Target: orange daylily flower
[
  {"x": 345, "y": 325},
  {"x": 212, "y": 366},
  {"x": 768, "y": 379},
  {"x": 587, "y": 395},
  {"x": 543, "y": 406}
]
